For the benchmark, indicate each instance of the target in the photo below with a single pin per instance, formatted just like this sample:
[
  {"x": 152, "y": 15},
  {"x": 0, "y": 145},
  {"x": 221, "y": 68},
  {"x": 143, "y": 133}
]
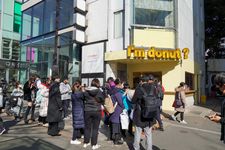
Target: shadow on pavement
[
  {"x": 213, "y": 103},
  {"x": 27, "y": 143}
]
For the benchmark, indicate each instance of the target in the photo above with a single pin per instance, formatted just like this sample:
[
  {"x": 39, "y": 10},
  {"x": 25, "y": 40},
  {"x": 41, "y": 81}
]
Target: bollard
[{"x": 203, "y": 99}]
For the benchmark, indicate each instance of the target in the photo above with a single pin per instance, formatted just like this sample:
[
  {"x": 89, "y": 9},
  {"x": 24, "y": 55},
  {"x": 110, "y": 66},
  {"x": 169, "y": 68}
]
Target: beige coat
[{"x": 180, "y": 94}]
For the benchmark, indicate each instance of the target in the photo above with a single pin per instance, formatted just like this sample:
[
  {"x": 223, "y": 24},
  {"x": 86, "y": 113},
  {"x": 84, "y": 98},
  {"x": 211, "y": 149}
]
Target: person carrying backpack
[{"x": 144, "y": 113}]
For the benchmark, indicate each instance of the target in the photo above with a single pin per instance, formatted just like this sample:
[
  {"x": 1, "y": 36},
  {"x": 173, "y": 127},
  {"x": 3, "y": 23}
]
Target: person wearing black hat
[{"x": 219, "y": 81}]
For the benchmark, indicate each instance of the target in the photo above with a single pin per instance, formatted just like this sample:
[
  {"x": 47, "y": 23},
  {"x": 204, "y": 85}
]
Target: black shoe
[
  {"x": 56, "y": 135},
  {"x": 118, "y": 142},
  {"x": 26, "y": 121},
  {"x": 161, "y": 129}
]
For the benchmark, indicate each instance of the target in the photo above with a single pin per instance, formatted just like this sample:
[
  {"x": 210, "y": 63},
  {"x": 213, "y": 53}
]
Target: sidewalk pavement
[{"x": 199, "y": 133}]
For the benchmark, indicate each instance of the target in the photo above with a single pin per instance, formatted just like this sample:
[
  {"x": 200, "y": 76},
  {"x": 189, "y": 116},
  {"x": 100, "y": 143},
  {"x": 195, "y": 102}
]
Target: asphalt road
[{"x": 199, "y": 134}]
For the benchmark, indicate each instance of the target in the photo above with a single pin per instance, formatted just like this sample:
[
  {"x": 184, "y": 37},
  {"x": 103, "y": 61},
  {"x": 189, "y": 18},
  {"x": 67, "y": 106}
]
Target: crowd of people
[{"x": 118, "y": 106}]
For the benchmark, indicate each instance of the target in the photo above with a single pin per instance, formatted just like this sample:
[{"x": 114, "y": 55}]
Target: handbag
[
  {"x": 178, "y": 102},
  {"x": 124, "y": 119}
]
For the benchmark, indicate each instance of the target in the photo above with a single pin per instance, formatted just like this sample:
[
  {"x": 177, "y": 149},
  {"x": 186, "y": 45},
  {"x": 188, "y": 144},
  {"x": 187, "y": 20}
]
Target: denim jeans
[{"x": 137, "y": 138}]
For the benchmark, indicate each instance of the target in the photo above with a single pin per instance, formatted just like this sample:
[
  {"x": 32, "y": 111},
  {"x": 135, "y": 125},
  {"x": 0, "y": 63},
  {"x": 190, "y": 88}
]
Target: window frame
[
  {"x": 121, "y": 12},
  {"x": 135, "y": 25}
]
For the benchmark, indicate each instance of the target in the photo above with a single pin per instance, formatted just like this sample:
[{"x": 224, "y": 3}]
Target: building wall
[
  {"x": 97, "y": 23},
  {"x": 10, "y": 37}
]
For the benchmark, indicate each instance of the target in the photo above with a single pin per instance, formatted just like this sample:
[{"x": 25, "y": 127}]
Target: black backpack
[{"x": 149, "y": 103}]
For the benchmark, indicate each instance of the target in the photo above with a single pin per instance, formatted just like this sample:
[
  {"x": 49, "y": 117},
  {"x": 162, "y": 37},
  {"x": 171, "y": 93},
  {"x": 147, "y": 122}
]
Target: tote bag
[{"x": 124, "y": 119}]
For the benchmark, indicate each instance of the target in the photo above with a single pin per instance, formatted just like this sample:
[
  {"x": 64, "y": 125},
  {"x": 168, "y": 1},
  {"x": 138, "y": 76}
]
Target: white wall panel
[
  {"x": 92, "y": 58},
  {"x": 185, "y": 31},
  {"x": 97, "y": 20}
]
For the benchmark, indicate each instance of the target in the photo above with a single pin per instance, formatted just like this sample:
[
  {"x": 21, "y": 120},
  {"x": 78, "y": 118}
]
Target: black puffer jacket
[
  {"x": 136, "y": 100},
  {"x": 93, "y": 98}
]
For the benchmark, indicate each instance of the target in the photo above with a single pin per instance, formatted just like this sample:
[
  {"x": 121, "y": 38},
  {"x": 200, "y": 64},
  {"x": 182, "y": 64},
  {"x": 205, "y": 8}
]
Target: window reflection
[
  {"x": 49, "y": 16},
  {"x": 26, "y": 33},
  {"x": 38, "y": 19},
  {"x": 66, "y": 13},
  {"x": 154, "y": 12}
]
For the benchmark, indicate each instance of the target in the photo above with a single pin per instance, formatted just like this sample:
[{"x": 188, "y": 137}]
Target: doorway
[{"x": 137, "y": 75}]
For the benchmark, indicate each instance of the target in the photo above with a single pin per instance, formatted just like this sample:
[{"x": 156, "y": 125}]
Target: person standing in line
[
  {"x": 65, "y": 90},
  {"x": 43, "y": 98},
  {"x": 77, "y": 112},
  {"x": 180, "y": 98},
  {"x": 93, "y": 99},
  {"x": 28, "y": 89},
  {"x": 55, "y": 107},
  {"x": 140, "y": 122},
  {"x": 219, "y": 80},
  {"x": 160, "y": 99},
  {"x": 17, "y": 94},
  {"x": 115, "y": 116}
]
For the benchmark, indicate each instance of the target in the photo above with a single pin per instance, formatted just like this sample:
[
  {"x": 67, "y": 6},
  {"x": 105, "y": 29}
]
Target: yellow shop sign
[{"x": 156, "y": 53}]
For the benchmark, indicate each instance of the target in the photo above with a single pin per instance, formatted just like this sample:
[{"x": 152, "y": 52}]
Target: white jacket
[{"x": 65, "y": 91}]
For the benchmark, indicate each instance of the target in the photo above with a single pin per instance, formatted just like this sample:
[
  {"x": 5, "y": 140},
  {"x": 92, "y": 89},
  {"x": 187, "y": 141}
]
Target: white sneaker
[
  {"x": 76, "y": 142},
  {"x": 45, "y": 125},
  {"x": 66, "y": 118},
  {"x": 86, "y": 145},
  {"x": 96, "y": 146},
  {"x": 183, "y": 122},
  {"x": 173, "y": 117}
]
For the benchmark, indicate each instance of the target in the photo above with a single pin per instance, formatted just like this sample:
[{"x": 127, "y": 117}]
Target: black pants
[
  {"x": 32, "y": 108},
  {"x": 42, "y": 119},
  {"x": 66, "y": 104},
  {"x": 181, "y": 115},
  {"x": 1, "y": 123},
  {"x": 77, "y": 133},
  {"x": 158, "y": 118},
  {"x": 53, "y": 128},
  {"x": 116, "y": 132},
  {"x": 92, "y": 120}
]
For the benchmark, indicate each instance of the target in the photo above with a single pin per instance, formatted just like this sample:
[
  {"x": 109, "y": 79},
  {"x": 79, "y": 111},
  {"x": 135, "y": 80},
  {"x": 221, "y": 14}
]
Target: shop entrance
[{"x": 137, "y": 75}]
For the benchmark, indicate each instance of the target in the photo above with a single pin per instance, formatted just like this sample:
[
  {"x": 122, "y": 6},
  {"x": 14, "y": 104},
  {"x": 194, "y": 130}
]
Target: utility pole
[{"x": 55, "y": 67}]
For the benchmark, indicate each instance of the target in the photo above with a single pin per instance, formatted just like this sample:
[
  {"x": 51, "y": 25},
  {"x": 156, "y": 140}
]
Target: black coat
[
  {"x": 77, "y": 110},
  {"x": 136, "y": 100},
  {"x": 55, "y": 104},
  {"x": 223, "y": 122},
  {"x": 27, "y": 90},
  {"x": 93, "y": 99}
]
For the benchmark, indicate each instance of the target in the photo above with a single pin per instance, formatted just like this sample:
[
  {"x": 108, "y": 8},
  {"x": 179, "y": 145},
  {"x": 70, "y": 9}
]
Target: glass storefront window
[
  {"x": 154, "y": 13},
  {"x": 49, "y": 16},
  {"x": 66, "y": 13},
  {"x": 26, "y": 33},
  {"x": 17, "y": 17},
  {"x": 38, "y": 19}
]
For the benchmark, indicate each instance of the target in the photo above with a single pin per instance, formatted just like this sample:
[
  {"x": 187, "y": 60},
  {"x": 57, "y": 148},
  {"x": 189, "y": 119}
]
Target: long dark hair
[{"x": 95, "y": 82}]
